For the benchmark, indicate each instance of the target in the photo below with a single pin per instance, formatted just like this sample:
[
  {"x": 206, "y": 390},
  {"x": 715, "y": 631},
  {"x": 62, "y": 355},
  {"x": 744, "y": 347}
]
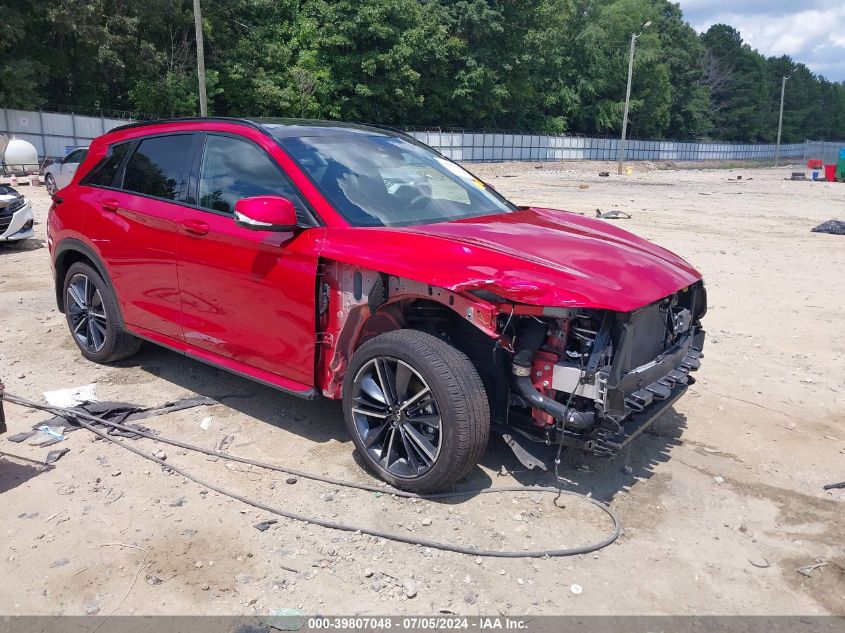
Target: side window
[
  {"x": 233, "y": 169},
  {"x": 103, "y": 174},
  {"x": 157, "y": 166}
]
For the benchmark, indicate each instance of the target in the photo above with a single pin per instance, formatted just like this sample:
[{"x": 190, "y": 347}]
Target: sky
[{"x": 810, "y": 31}]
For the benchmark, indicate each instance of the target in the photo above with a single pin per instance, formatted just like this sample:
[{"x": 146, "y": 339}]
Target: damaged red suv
[{"x": 355, "y": 263}]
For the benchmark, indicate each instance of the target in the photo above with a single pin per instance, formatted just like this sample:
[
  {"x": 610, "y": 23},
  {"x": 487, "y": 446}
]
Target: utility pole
[
  {"x": 200, "y": 58},
  {"x": 780, "y": 119},
  {"x": 622, "y": 144}
]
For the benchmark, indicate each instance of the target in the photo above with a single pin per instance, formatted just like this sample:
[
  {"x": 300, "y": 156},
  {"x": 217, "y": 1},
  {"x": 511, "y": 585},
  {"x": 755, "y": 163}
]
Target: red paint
[
  {"x": 536, "y": 256},
  {"x": 245, "y": 300}
]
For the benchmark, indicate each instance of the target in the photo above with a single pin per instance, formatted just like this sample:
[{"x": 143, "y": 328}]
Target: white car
[
  {"x": 16, "y": 219},
  {"x": 60, "y": 173}
]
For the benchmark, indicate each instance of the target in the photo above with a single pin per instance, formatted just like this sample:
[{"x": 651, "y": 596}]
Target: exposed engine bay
[
  {"x": 584, "y": 378},
  {"x": 594, "y": 379}
]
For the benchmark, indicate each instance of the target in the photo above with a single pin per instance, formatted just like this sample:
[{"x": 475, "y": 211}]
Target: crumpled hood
[{"x": 534, "y": 256}]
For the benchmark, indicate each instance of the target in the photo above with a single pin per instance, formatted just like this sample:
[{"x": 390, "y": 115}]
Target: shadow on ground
[
  {"x": 322, "y": 421},
  {"x": 15, "y": 470},
  {"x": 601, "y": 478},
  {"x": 31, "y": 244}
]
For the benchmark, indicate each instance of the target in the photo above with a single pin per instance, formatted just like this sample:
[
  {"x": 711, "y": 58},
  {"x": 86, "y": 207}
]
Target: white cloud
[{"x": 813, "y": 34}]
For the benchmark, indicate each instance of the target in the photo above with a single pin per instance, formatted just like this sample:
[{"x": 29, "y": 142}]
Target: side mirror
[{"x": 266, "y": 213}]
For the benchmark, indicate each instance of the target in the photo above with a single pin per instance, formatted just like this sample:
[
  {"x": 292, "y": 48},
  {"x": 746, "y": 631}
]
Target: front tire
[
  {"x": 416, "y": 409},
  {"x": 93, "y": 317}
]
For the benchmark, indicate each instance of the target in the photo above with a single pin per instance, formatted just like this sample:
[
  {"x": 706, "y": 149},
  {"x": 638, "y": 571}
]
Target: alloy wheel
[
  {"x": 396, "y": 417},
  {"x": 50, "y": 184},
  {"x": 87, "y": 313}
]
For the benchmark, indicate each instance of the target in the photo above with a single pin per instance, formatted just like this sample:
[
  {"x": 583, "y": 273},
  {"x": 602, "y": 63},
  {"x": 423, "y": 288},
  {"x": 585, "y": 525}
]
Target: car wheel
[
  {"x": 93, "y": 317},
  {"x": 50, "y": 184},
  {"x": 416, "y": 409}
]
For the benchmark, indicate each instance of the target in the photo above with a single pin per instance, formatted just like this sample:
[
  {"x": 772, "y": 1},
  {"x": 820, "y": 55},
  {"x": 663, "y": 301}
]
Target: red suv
[{"x": 355, "y": 263}]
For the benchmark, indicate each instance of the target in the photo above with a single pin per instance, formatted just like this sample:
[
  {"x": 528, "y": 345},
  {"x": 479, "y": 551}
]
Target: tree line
[{"x": 551, "y": 66}]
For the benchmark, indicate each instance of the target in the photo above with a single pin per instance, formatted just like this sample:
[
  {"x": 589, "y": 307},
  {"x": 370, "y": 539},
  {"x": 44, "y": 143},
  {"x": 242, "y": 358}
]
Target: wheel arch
[
  {"x": 71, "y": 251},
  {"x": 356, "y": 304}
]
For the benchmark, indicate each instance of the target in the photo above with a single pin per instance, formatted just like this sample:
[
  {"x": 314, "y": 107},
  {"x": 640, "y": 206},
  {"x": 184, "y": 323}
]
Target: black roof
[{"x": 282, "y": 127}]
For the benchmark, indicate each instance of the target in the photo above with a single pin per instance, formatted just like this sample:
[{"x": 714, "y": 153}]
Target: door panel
[
  {"x": 247, "y": 295},
  {"x": 138, "y": 234}
]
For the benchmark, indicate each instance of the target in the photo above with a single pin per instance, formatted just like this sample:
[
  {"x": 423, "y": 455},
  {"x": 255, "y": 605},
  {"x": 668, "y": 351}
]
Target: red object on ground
[
  {"x": 830, "y": 173},
  {"x": 814, "y": 163}
]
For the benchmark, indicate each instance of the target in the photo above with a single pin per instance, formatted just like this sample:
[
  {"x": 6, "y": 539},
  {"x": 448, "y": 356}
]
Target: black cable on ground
[{"x": 82, "y": 418}]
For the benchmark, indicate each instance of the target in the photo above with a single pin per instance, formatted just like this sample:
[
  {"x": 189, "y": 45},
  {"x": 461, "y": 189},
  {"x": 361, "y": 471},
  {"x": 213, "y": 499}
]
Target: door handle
[
  {"x": 195, "y": 227},
  {"x": 110, "y": 205}
]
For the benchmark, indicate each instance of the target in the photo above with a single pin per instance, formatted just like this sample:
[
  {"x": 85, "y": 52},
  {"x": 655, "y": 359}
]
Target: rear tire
[
  {"x": 93, "y": 317},
  {"x": 429, "y": 426}
]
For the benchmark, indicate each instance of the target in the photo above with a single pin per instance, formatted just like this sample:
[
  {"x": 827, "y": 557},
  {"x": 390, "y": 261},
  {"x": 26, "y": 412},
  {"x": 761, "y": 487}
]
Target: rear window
[
  {"x": 104, "y": 172},
  {"x": 157, "y": 167}
]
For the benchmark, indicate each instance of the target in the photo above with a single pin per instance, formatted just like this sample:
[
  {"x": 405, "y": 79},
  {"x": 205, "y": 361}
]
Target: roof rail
[{"x": 220, "y": 119}]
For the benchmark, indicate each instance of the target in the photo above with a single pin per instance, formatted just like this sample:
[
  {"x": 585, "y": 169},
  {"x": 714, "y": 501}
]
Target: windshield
[{"x": 377, "y": 180}]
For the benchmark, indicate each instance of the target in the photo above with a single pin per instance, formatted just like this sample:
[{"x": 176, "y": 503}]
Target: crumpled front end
[{"x": 594, "y": 379}]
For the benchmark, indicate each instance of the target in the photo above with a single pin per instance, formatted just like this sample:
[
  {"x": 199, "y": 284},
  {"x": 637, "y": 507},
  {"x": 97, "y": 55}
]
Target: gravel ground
[{"x": 722, "y": 499}]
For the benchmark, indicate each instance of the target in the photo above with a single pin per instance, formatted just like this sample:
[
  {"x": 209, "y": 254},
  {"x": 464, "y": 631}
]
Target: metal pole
[
  {"x": 780, "y": 120},
  {"x": 621, "y": 169},
  {"x": 200, "y": 58}
]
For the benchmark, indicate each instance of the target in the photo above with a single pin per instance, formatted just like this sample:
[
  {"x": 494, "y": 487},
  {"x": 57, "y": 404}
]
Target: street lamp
[
  {"x": 634, "y": 37},
  {"x": 780, "y": 119}
]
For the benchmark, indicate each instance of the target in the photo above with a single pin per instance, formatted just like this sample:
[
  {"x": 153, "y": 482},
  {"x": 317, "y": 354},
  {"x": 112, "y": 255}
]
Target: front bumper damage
[
  {"x": 595, "y": 379},
  {"x": 633, "y": 400}
]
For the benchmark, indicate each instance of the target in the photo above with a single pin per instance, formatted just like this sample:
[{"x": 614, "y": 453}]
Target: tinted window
[
  {"x": 156, "y": 168},
  {"x": 105, "y": 171},
  {"x": 233, "y": 169}
]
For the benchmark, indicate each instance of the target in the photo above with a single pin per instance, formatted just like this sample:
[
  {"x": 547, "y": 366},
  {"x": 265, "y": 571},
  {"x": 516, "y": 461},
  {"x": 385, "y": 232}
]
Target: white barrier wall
[
  {"x": 828, "y": 152},
  {"x": 466, "y": 146},
  {"x": 53, "y": 133}
]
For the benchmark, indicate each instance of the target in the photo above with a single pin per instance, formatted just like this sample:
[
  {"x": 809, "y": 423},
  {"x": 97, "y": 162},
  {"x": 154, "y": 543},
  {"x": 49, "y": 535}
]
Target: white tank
[{"x": 21, "y": 156}]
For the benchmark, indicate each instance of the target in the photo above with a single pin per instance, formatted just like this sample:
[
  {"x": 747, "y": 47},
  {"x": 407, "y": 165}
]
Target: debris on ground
[
  {"x": 807, "y": 570},
  {"x": 265, "y": 525},
  {"x": 410, "y": 588},
  {"x": 583, "y": 186},
  {"x": 834, "y": 227},
  {"x": 576, "y": 590},
  {"x": 719, "y": 480},
  {"x": 56, "y": 455},
  {"x": 47, "y": 436},
  {"x": 798, "y": 175},
  {"x": 17, "y": 438},
  {"x": 841, "y": 484},
  {"x": 71, "y": 396},
  {"x": 612, "y": 215},
  {"x": 604, "y": 174},
  {"x": 125, "y": 412},
  {"x": 205, "y": 424}
]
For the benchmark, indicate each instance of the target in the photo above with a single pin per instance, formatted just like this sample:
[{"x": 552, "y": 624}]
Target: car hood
[{"x": 535, "y": 256}]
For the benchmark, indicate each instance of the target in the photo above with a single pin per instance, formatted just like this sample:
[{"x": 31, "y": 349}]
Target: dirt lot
[{"x": 105, "y": 531}]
